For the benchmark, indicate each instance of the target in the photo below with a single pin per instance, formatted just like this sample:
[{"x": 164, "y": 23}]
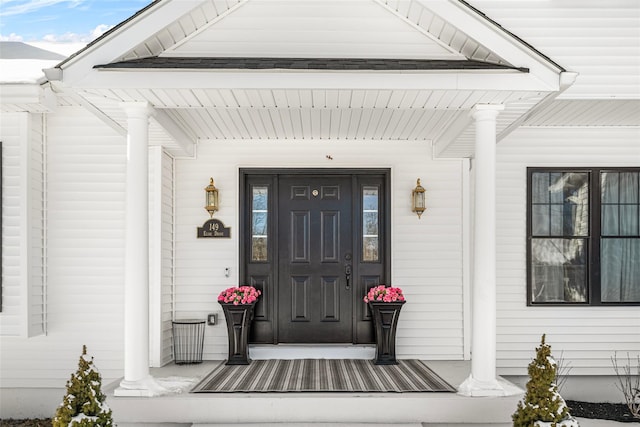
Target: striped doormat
[{"x": 325, "y": 375}]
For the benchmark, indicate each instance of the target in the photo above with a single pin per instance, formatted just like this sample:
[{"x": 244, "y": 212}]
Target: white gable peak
[{"x": 312, "y": 29}]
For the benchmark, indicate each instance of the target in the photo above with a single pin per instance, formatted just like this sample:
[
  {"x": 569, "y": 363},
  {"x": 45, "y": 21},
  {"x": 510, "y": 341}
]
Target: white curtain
[{"x": 620, "y": 244}]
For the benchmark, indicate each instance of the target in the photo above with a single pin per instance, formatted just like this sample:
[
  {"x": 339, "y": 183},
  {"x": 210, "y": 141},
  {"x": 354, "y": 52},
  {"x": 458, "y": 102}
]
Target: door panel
[
  {"x": 300, "y": 298},
  {"x": 299, "y": 244},
  {"x": 316, "y": 306},
  {"x": 330, "y": 296}
]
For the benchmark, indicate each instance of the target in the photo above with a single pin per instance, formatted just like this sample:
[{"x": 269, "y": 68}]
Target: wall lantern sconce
[
  {"x": 417, "y": 199},
  {"x": 212, "y": 198}
]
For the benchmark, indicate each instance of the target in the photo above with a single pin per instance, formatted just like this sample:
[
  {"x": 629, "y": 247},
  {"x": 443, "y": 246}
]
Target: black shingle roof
[{"x": 155, "y": 62}]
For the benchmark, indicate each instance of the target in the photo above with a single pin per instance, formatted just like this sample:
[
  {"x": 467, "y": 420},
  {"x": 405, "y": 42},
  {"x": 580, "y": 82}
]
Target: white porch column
[
  {"x": 137, "y": 381},
  {"x": 483, "y": 379}
]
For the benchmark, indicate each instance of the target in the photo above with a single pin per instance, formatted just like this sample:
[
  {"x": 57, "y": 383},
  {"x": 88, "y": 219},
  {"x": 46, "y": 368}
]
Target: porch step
[
  {"x": 315, "y": 409},
  {"x": 310, "y": 425},
  {"x": 315, "y": 351},
  {"x": 355, "y": 425},
  {"x": 435, "y": 409},
  {"x": 467, "y": 425}
]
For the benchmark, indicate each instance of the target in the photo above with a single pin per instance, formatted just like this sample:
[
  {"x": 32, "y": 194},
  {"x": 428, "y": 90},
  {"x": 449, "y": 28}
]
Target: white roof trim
[
  {"x": 132, "y": 32},
  {"x": 316, "y": 79},
  {"x": 161, "y": 14},
  {"x": 503, "y": 44}
]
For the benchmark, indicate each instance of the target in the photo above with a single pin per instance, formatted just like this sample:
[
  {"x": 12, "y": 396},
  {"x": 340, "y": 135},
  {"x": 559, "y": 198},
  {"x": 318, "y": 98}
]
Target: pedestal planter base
[
  {"x": 385, "y": 322},
  {"x": 238, "y": 319}
]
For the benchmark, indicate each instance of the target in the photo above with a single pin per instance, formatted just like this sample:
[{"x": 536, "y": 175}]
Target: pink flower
[
  {"x": 384, "y": 294},
  {"x": 239, "y": 295}
]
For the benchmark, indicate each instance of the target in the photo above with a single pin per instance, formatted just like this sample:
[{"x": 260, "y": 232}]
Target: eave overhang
[{"x": 316, "y": 79}]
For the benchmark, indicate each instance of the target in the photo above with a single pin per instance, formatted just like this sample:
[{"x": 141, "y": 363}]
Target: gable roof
[
  {"x": 191, "y": 22},
  {"x": 432, "y": 59}
]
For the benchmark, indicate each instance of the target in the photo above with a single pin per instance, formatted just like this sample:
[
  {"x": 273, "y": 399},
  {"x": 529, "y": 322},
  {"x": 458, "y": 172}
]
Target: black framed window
[{"x": 583, "y": 236}]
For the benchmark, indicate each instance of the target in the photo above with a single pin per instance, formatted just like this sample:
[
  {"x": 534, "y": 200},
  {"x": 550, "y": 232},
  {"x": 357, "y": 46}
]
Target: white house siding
[
  {"x": 36, "y": 230},
  {"x": 321, "y": 29},
  {"x": 161, "y": 256},
  {"x": 85, "y": 223},
  {"x": 167, "y": 256},
  {"x": 598, "y": 39},
  {"x": 426, "y": 253},
  {"x": 586, "y": 337},
  {"x": 23, "y": 294}
]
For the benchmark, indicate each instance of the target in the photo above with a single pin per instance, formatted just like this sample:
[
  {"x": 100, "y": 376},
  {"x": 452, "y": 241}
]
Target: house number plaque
[{"x": 214, "y": 228}]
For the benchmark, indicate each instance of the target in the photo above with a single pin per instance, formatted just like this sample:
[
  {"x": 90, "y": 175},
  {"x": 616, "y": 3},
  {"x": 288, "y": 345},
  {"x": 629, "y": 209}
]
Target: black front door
[
  {"x": 314, "y": 242},
  {"x": 315, "y": 259}
]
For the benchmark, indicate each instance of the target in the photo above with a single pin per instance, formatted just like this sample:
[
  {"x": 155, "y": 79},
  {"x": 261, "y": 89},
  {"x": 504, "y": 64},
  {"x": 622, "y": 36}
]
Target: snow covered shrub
[
  {"x": 542, "y": 405},
  {"x": 84, "y": 404}
]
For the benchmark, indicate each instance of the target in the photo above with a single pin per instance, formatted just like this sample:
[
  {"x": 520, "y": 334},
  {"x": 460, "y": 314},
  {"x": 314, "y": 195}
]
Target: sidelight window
[
  {"x": 259, "y": 223},
  {"x": 370, "y": 223}
]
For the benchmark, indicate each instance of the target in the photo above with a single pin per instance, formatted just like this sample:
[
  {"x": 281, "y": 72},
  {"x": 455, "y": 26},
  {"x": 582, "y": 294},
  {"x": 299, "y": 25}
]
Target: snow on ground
[
  {"x": 585, "y": 422},
  {"x": 176, "y": 384}
]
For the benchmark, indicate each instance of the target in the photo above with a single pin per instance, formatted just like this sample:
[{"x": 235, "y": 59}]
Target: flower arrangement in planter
[
  {"x": 381, "y": 293},
  {"x": 385, "y": 303},
  {"x": 239, "y": 295},
  {"x": 238, "y": 304}
]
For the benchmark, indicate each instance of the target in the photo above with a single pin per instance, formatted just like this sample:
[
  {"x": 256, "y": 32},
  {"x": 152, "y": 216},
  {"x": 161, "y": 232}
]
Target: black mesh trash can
[{"x": 188, "y": 340}]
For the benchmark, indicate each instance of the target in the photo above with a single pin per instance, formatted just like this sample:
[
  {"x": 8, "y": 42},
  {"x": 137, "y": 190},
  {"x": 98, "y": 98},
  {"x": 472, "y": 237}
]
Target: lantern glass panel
[
  {"x": 212, "y": 198},
  {"x": 418, "y": 200}
]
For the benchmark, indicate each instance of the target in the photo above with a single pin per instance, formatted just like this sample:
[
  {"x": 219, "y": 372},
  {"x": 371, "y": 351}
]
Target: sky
[{"x": 62, "y": 26}]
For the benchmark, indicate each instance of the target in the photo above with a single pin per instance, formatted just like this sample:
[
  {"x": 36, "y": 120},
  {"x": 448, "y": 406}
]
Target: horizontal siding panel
[
  {"x": 575, "y": 349},
  {"x": 577, "y": 338},
  {"x": 427, "y": 314},
  {"x": 14, "y": 133},
  {"x": 328, "y": 29},
  {"x": 535, "y": 332},
  {"x": 590, "y": 314},
  {"x": 571, "y": 322},
  {"x": 85, "y": 264},
  {"x": 167, "y": 258},
  {"x": 586, "y": 336},
  {"x": 573, "y": 35}
]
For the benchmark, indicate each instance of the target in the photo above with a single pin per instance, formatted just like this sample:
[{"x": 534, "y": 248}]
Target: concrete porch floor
[{"x": 311, "y": 409}]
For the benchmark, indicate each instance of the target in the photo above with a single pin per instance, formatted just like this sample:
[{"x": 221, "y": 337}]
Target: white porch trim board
[
  {"x": 316, "y": 79},
  {"x": 155, "y": 256},
  {"x": 467, "y": 260}
]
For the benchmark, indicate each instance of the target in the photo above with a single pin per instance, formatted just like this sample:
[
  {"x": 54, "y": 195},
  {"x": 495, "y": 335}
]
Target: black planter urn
[
  {"x": 385, "y": 322},
  {"x": 238, "y": 319}
]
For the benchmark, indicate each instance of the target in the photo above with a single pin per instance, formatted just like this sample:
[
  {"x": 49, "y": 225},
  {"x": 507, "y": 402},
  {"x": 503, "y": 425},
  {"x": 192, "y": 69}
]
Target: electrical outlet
[{"x": 212, "y": 319}]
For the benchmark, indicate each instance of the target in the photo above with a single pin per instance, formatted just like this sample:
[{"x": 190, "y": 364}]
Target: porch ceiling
[{"x": 441, "y": 116}]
